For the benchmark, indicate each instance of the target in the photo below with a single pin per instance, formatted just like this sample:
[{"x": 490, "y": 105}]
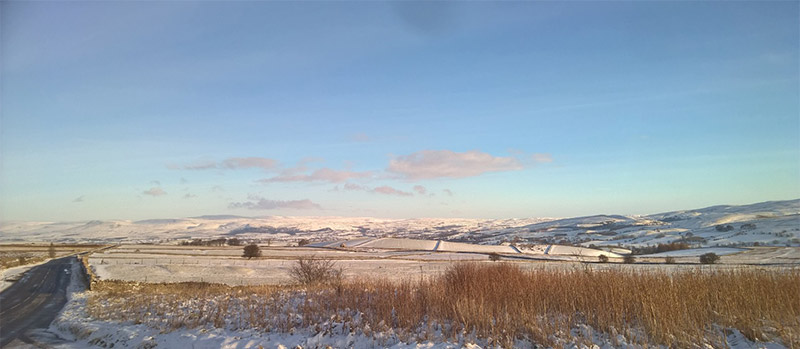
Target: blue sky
[{"x": 133, "y": 110}]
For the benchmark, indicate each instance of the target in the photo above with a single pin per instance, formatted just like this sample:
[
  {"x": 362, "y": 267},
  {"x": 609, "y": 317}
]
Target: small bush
[
  {"x": 669, "y": 260},
  {"x": 602, "y": 258},
  {"x": 629, "y": 259},
  {"x": 303, "y": 242},
  {"x": 494, "y": 257},
  {"x": 723, "y": 227},
  {"x": 251, "y": 251},
  {"x": 709, "y": 258},
  {"x": 315, "y": 271}
]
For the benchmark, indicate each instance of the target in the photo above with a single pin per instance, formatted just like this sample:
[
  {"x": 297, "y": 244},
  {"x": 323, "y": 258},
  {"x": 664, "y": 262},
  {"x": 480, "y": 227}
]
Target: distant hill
[{"x": 766, "y": 223}]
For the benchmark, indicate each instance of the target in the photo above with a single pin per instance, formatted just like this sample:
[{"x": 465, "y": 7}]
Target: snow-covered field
[
  {"x": 399, "y": 259},
  {"x": 77, "y": 329},
  {"x": 696, "y": 252}
]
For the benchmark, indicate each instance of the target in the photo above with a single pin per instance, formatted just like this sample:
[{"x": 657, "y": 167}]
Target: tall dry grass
[{"x": 498, "y": 303}]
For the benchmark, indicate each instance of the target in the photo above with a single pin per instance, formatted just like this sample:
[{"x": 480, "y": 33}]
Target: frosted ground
[{"x": 79, "y": 330}]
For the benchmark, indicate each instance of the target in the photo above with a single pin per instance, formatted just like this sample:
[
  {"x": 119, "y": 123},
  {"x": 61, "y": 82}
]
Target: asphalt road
[{"x": 34, "y": 301}]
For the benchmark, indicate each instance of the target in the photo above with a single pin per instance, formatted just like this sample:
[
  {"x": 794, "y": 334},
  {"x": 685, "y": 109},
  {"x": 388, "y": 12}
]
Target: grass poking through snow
[{"x": 497, "y": 303}]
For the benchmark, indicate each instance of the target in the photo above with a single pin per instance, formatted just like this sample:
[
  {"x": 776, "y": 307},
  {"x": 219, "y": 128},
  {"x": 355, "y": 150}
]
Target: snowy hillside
[
  {"x": 276, "y": 228},
  {"x": 767, "y": 223}
]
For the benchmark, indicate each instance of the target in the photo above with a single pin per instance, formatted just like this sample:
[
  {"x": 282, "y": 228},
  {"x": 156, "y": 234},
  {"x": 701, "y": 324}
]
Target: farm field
[{"x": 225, "y": 264}]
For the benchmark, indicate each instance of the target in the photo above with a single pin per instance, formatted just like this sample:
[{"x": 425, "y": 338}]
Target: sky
[{"x": 166, "y": 109}]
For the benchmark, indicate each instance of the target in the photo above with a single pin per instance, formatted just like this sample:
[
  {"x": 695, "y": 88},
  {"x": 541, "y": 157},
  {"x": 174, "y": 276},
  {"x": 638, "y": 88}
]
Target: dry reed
[{"x": 498, "y": 303}]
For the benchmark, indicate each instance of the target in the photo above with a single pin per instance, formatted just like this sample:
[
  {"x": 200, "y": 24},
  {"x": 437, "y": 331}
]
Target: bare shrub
[
  {"x": 315, "y": 271},
  {"x": 709, "y": 258},
  {"x": 629, "y": 259},
  {"x": 494, "y": 256},
  {"x": 251, "y": 250},
  {"x": 303, "y": 242},
  {"x": 602, "y": 258}
]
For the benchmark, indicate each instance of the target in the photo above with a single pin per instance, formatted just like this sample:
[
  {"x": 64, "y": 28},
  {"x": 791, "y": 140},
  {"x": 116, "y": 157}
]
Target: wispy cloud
[
  {"x": 541, "y": 158},
  {"x": 360, "y": 137},
  {"x": 259, "y": 203},
  {"x": 189, "y": 196},
  {"x": 155, "y": 182},
  {"x": 420, "y": 189},
  {"x": 155, "y": 191},
  {"x": 202, "y": 165},
  {"x": 320, "y": 175},
  {"x": 78, "y": 199},
  {"x": 352, "y": 186},
  {"x": 249, "y": 162},
  {"x": 428, "y": 164},
  {"x": 447, "y": 192},
  {"x": 387, "y": 190},
  {"x": 230, "y": 163}
]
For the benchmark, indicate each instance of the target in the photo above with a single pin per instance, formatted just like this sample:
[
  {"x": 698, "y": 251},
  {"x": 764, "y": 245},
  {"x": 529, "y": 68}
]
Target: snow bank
[
  {"x": 447, "y": 246},
  {"x": 11, "y": 275},
  {"x": 578, "y": 251},
  {"x": 400, "y": 244}
]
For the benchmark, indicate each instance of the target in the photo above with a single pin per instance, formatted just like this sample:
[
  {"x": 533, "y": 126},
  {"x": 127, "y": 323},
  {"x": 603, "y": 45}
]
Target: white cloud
[{"x": 449, "y": 164}]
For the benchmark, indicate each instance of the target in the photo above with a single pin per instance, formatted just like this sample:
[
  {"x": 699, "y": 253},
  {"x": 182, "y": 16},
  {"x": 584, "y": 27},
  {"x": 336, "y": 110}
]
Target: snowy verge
[{"x": 11, "y": 275}]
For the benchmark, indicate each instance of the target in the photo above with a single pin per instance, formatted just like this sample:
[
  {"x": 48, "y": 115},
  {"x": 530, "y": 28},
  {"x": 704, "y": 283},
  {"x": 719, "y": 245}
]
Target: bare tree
[
  {"x": 251, "y": 250},
  {"x": 314, "y": 271},
  {"x": 709, "y": 258}
]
